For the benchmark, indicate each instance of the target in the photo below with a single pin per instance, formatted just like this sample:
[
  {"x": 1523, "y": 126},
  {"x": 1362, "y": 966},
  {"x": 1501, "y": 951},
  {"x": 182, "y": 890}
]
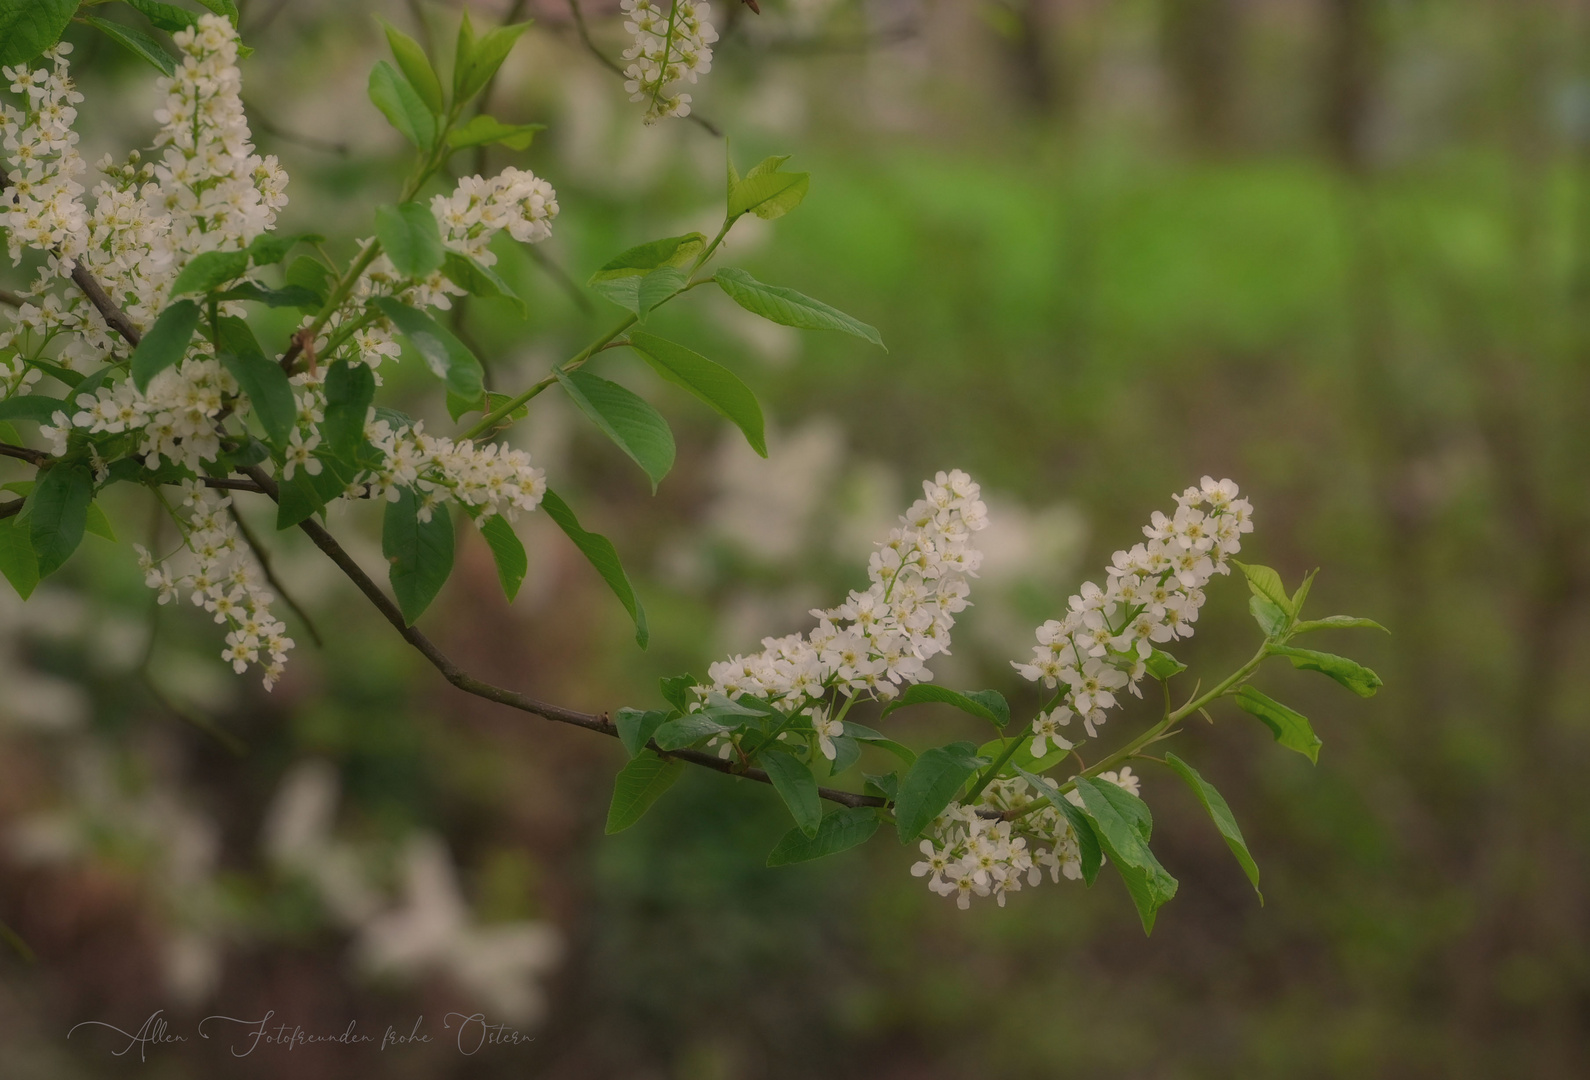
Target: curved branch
[
  {"x": 23, "y": 453},
  {"x": 10, "y": 509}
]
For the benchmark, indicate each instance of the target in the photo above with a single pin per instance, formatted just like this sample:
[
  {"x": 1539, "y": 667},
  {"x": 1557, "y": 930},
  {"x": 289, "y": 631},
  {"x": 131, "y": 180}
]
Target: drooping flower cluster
[
  {"x": 222, "y": 577},
  {"x": 881, "y": 638},
  {"x": 42, "y": 209},
  {"x": 670, "y": 46}
]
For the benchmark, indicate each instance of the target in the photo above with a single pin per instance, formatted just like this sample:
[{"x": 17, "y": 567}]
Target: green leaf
[
  {"x": 1022, "y": 758},
  {"x": 138, "y": 43},
  {"x": 17, "y": 562},
  {"x": 410, "y": 238},
  {"x": 291, "y": 296},
  {"x": 507, "y": 550},
  {"x": 421, "y": 552},
  {"x": 471, "y": 76},
  {"x": 402, "y": 105},
  {"x": 635, "y": 728},
  {"x": 1333, "y": 622},
  {"x": 1302, "y": 593},
  {"x": 990, "y": 705},
  {"x": 1121, "y": 821},
  {"x": 1087, "y": 840},
  {"x": 270, "y": 248},
  {"x": 1162, "y": 665},
  {"x": 638, "y": 429},
  {"x": 416, "y": 67},
  {"x": 847, "y": 752},
  {"x": 446, "y": 356},
  {"x": 165, "y": 343},
  {"x": 269, "y": 393},
  {"x": 1292, "y": 729},
  {"x": 350, "y": 391},
  {"x": 656, "y": 287},
  {"x": 479, "y": 280},
  {"x": 689, "y": 729},
  {"x": 930, "y": 785},
  {"x": 1351, "y": 674},
  {"x": 676, "y": 689},
  {"x": 308, "y": 272},
  {"x": 794, "y": 782},
  {"x": 599, "y": 551},
  {"x": 642, "y": 259},
  {"x": 98, "y": 524},
  {"x": 788, "y": 307},
  {"x": 639, "y": 784},
  {"x": 167, "y": 17},
  {"x": 1266, "y": 583},
  {"x": 1220, "y": 814},
  {"x": 227, "y": 8},
  {"x": 768, "y": 193},
  {"x": 886, "y": 786},
  {"x": 210, "y": 271},
  {"x": 28, "y": 27},
  {"x": 713, "y": 383},
  {"x": 58, "y": 514},
  {"x": 35, "y": 407},
  {"x": 484, "y": 130},
  {"x": 1271, "y": 619},
  {"x": 839, "y": 831},
  {"x": 881, "y": 741}
]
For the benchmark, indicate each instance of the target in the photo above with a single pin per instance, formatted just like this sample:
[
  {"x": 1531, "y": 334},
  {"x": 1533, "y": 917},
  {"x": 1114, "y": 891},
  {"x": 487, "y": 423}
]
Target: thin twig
[
  {"x": 10, "y": 509},
  {"x": 270, "y": 575},
  {"x": 228, "y": 484},
  {"x": 32, "y": 457},
  {"x": 10, "y": 299},
  {"x": 591, "y": 46}
]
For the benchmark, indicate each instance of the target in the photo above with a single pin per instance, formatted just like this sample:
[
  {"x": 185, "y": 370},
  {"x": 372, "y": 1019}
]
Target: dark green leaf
[
  {"x": 265, "y": 383},
  {"x": 1271, "y": 619},
  {"x": 639, "y": 784},
  {"x": 270, "y": 248},
  {"x": 18, "y": 564},
  {"x": 350, "y": 390},
  {"x": 402, "y": 105},
  {"x": 788, "y": 307},
  {"x": 1292, "y": 729},
  {"x": 1351, "y": 674},
  {"x": 1120, "y": 820},
  {"x": 446, "y": 356},
  {"x": 410, "y": 238},
  {"x": 635, "y": 728},
  {"x": 1215, "y": 804},
  {"x": 165, "y": 343},
  {"x": 931, "y": 784},
  {"x": 1088, "y": 850},
  {"x": 421, "y": 552},
  {"x": 291, "y": 296},
  {"x": 599, "y": 551},
  {"x": 479, "y": 280},
  {"x": 35, "y": 407},
  {"x": 484, "y": 130},
  {"x": 416, "y": 67},
  {"x": 838, "y": 831},
  {"x": 28, "y": 27},
  {"x": 713, "y": 383},
  {"x": 305, "y": 495},
  {"x": 687, "y": 730},
  {"x": 1162, "y": 665},
  {"x": 167, "y": 17},
  {"x": 138, "y": 43},
  {"x": 676, "y": 690},
  {"x": 58, "y": 514},
  {"x": 847, "y": 752},
  {"x": 638, "y": 429},
  {"x": 794, "y": 782},
  {"x": 880, "y": 740},
  {"x": 886, "y": 786},
  {"x": 210, "y": 271},
  {"x": 307, "y": 272},
  {"x": 507, "y": 550},
  {"x": 227, "y": 8},
  {"x": 98, "y": 524},
  {"x": 1022, "y": 758},
  {"x": 990, "y": 705}
]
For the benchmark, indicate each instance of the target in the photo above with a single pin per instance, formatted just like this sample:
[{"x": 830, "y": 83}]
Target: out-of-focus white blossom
[{"x": 671, "y": 45}]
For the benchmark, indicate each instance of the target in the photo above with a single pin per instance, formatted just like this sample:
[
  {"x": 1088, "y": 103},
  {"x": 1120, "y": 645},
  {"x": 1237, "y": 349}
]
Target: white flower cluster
[
  {"x": 41, "y": 208},
  {"x": 175, "y": 415},
  {"x": 882, "y": 637},
  {"x": 1153, "y": 596},
  {"x": 495, "y": 478},
  {"x": 669, "y": 46},
  {"x": 223, "y": 578}
]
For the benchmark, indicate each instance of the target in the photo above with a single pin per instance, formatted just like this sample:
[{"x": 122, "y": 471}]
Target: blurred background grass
[{"x": 1338, "y": 250}]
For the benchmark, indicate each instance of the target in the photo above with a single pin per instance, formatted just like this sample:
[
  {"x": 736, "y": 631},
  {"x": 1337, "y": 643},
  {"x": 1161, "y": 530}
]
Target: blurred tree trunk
[
  {"x": 1351, "y": 60},
  {"x": 1199, "y": 42}
]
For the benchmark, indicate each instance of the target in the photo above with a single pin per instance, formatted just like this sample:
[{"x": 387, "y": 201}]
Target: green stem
[{"x": 993, "y": 770}]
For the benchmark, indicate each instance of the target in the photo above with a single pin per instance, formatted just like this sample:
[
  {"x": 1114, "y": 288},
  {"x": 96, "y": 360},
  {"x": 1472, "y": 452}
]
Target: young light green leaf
[
  {"x": 269, "y": 393},
  {"x": 1022, "y": 757},
  {"x": 210, "y": 271},
  {"x": 839, "y": 831},
  {"x": 1301, "y": 595},
  {"x": 165, "y": 342},
  {"x": 1162, "y": 665},
  {"x": 636, "y": 727},
  {"x": 410, "y": 238},
  {"x": 18, "y": 564},
  {"x": 402, "y": 105},
  {"x": 638, "y": 429},
  {"x": 421, "y": 552},
  {"x": 1292, "y": 729},
  {"x": 507, "y": 551},
  {"x": 1266, "y": 583},
  {"x": 656, "y": 287},
  {"x": 930, "y": 785},
  {"x": 1121, "y": 821},
  {"x": 480, "y": 280},
  {"x": 768, "y": 193},
  {"x": 350, "y": 390},
  {"x": 58, "y": 514},
  {"x": 794, "y": 782},
  {"x": 601, "y": 554},
  {"x": 788, "y": 307},
  {"x": 416, "y": 67},
  {"x": 138, "y": 43},
  {"x": 28, "y": 27},
  {"x": 484, "y": 58},
  {"x": 990, "y": 705},
  {"x": 1351, "y": 674},
  {"x": 1215, "y": 805},
  {"x": 35, "y": 407},
  {"x": 98, "y": 524},
  {"x": 639, "y": 784},
  {"x": 642, "y": 259},
  {"x": 713, "y": 383},
  {"x": 1271, "y": 619},
  {"x": 167, "y": 17},
  {"x": 687, "y": 730},
  {"x": 1334, "y": 622},
  {"x": 447, "y": 357},
  {"x": 1081, "y": 827},
  {"x": 484, "y": 130}
]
